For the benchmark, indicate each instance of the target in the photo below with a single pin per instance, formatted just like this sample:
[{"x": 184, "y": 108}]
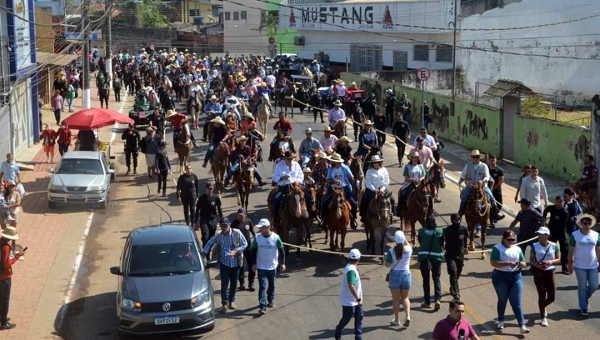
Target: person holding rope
[
  {"x": 377, "y": 182},
  {"x": 401, "y": 130},
  {"x": 358, "y": 117},
  {"x": 543, "y": 258},
  {"x": 397, "y": 259},
  {"x": 380, "y": 123}
]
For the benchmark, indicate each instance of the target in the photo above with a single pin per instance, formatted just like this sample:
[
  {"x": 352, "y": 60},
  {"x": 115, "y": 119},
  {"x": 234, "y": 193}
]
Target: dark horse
[
  {"x": 244, "y": 181},
  {"x": 337, "y": 218},
  {"x": 356, "y": 167},
  {"x": 477, "y": 211},
  {"x": 379, "y": 213},
  {"x": 436, "y": 180},
  {"x": 416, "y": 209}
]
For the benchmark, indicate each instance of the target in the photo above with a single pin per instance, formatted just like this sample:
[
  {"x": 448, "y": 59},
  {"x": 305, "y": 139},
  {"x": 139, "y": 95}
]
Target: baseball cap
[
  {"x": 455, "y": 216},
  {"x": 543, "y": 231},
  {"x": 354, "y": 254},
  {"x": 400, "y": 237},
  {"x": 241, "y": 211},
  {"x": 508, "y": 234},
  {"x": 210, "y": 185},
  {"x": 524, "y": 201},
  {"x": 263, "y": 223},
  {"x": 163, "y": 143},
  {"x": 224, "y": 222}
]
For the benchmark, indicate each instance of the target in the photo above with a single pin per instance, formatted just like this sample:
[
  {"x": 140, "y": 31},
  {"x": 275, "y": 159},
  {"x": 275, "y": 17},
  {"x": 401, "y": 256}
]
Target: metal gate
[
  {"x": 400, "y": 60},
  {"x": 364, "y": 57}
]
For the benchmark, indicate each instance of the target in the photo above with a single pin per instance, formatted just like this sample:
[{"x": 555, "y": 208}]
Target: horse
[
  {"x": 313, "y": 213},
  {"x": 194, "y": 108},
  {"x": 337, "y": 218},
  {"x": 477, "y": 211},
  {"x": 339, "y": 129},
  {"x": 219, "y": 163},
  {"x": 378, "y": 217},
  {"x": 303, "y": 99},
  {"x": 244, "y": 181},
  {"x": 183, "y": 148},
  {"x": 436, "y": 179},
  {"x": 313, "y": 158},
  {"x": 288, "y": 99},
  {"x": 356, "y": 167},
  {"x": 416, "y": 209},
  {"x": 293, "y": 214},
  {"x": 263, "y": 113}
]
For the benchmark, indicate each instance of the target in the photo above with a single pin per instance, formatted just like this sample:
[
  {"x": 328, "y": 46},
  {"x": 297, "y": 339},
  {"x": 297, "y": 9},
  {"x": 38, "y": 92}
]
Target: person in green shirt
[
  {"x": 430, "y": 259},
  {"x": 70, "y": 95}
]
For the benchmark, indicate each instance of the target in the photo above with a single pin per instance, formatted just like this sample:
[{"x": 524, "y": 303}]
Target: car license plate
[
  {"x": 142, "y": 115},
  {"x": 76, "y": 197},
  {"x": 166, "y": 320}
]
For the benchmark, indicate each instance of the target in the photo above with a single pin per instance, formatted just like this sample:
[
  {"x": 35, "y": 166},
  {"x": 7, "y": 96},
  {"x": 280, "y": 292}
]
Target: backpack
[{"x": 216, "y": 250}]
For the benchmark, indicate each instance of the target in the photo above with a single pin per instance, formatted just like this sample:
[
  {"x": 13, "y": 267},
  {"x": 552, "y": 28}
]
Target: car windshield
[
  {"x": 80, "y": 167},
  {"x": 164, "y": 259}
]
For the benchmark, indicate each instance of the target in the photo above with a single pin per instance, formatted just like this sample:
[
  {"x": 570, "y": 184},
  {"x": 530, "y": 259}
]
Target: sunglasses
[
  {"x": 586, "y": 223},
  {"x": 510, "y": 239},
  {"x": 474, "y": 156}
]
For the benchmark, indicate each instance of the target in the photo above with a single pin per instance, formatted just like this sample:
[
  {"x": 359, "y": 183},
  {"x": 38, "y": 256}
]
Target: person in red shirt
[
  {"x": 281, "y": 126},
  {"x": 455, "y": 325},
  {"x": 64, "y": 139},
  {"x": 48, "y": 138},
  {"x": 8, "y": 234}
]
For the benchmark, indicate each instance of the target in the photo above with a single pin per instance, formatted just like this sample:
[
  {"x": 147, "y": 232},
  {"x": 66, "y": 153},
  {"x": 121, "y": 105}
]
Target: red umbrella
[{"x": 91, "y": 119}]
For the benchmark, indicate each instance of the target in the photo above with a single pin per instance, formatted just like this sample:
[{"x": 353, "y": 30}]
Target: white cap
[
  {"x": 543, "y": 231},
  {"x": 399, "y": 236},
  {"x": 354, "y": 254},
  {"x": 263, "y": 223}
]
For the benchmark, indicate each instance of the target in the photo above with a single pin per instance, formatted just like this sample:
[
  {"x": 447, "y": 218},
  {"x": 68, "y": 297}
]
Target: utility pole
[
  {"x": 596, "y": 138},
  {"x": 85, "y": 36},
  {"x": 454, "y": 50},
  {"x": 109, "y": 67}
]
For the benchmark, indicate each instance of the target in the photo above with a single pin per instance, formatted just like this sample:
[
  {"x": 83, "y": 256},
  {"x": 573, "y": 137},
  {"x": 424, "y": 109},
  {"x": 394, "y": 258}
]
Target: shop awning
[{"x": 57, "y": 59}]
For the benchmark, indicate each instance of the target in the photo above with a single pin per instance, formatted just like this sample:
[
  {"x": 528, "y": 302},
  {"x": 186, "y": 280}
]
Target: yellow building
[{"x": 206, "y": 9}]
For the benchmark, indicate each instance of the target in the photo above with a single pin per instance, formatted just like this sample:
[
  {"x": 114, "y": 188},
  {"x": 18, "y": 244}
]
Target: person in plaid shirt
[
  {"x": 319, "y": 175},
  {"x": 64, "y": 139}
]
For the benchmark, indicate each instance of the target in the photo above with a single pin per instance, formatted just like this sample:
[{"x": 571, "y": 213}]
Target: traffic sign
[
  {"x": 77, "y": 36},
  {"x": 271, "y": 40},
  {"x": 423, "y": 74}
]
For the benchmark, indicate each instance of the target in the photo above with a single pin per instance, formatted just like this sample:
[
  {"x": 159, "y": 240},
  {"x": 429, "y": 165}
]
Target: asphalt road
[{"x": 307, "y": 294}]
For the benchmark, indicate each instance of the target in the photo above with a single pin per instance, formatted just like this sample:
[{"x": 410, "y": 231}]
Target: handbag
[
  {"x": 535, "y": 270},
  {"x": 387, "y": 276}
]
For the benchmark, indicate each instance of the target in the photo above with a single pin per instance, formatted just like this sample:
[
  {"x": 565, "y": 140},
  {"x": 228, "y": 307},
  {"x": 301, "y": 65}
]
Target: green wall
[
  {"x": 285, "y": 37},
  {"x": 553, "y": 147},
  {"x": 474, "y": 126}
]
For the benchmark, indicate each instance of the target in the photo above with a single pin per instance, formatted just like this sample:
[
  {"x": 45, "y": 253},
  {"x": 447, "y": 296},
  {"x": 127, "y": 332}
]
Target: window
[
  {"x": 400, "y": 60},
  {"x": 443, "y": 53},
  {"x": 421, "y": 52},
  {"x": 365, "y": 57},
  {"x": 194, "y": 12},
  {"x": 227, "y": 15},
  {"x": 244, "y": 15},
  {"x": 236, "y": 16}
]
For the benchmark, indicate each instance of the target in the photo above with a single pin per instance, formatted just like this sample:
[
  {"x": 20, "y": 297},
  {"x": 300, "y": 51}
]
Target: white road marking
[{"x": 78, "y": 258}]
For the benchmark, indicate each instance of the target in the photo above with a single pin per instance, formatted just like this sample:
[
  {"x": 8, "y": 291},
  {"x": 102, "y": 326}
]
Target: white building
[
  {"x": 373, "y": 35},
  {"x": 241, "y": 28}
]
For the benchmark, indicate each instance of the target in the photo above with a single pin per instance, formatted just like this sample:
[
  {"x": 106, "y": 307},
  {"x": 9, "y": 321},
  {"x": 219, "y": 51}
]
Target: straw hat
[
  {"x": 242, "y": 139},
  {"x": 307, "y": 170},
  {"x": 368, "y": 122},
  {"x": 475, "y": 153},
  {"x": 307, "y": 131},
  {"x": 336, "y": 158},
  {"x": 337, "y": 103},
  {"x": 218, "y": 120},
  {"x": 10, "y": 233},
  {"x": 344, "y": 139},
  {"x": 322, "y": 155},
  {"x": 376, "y": 159},
  {"x": 249, "y": 115},
  {"x": 328, "y": 128},
  {"x": 579, "y": 219},
  {"x": 170, "y": 113},
  {"x": 213, "y": 97}
]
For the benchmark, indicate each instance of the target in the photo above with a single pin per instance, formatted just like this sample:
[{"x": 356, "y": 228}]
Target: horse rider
[
  {"x": 247, "y": 122},
  {"x": 476, "y": 172},
  {"x": 219, "y": 134},
  {"x": 281, "y": 126},
  {"x": 328, "y": 141},
  {"x": 196, "y": 93},
  {"x": 231, "y": 105},
  {"x": 425, "y": 153},
  {"x": 344, "y": 149},
  {"x": 339, "y": 176},
  {"x": 284, "y": 82},
  {"x": 241, "y": 94},
  {"x": 337, "y": 115},
  {"x": 308, "y": 183},
  {"x": 367, "y": 139},
  {"x": 287, "y": 173},
  {"x": 213, "y": 105},
  {"x": 377, "y": 182},
  {"x": 308, "y": 146},
  {"x": 286, "y": 144},
  {"x": 414, "y": 173},
  {"x": 262, "y": 90},
  {"x": 243, "y": 154}
]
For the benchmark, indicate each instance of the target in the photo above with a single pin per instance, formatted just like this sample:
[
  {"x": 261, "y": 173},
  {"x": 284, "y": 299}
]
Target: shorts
[
  {"x": 400, "y": 279},
  {"x": 150, "y": 158},
  {"x": 48, "y": 148}
]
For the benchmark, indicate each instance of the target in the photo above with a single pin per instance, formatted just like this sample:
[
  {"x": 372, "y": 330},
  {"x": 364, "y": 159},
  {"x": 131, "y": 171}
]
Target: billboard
[{"x": 21, "y": 32}]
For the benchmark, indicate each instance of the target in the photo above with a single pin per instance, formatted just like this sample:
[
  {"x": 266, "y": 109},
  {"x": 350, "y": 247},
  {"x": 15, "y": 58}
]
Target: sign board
[
  {"x": 423, "y": 74},
  {"x": 271, "y": 40},
  {"x": 22, "y": 34},
  {"x": 77, "y": 36}
]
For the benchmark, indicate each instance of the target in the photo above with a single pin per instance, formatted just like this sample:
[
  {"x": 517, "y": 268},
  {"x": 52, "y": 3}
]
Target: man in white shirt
[
  {"x": 475, "y": 173},
  {"x": 428, "y": 139},
  {"x": 351, "y": 297},
  {"x": 336, "y": 114},
  {"x": 286, "y": 173},
  {"x": 533, "y": 188}
]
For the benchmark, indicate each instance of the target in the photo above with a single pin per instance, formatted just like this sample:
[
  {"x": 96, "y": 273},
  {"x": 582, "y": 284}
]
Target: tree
[{"x": 144, "y": 13}]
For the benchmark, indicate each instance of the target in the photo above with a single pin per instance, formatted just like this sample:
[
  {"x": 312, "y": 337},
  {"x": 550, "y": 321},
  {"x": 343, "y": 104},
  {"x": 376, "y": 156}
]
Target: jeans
[
  {"x": 208, "y": 227},
  {"x": 587, "y": 283},
  {"x": 103, "y": 99},
  {"x": 162, "y": 179},
  {"x": 57, "y": 113},
  {"x": 266, "y": 294},
  {"x": 347, "y": 313},
  {"x": 498, "y": 197},
  {"x": 401, "y": 149},
  {"x": 189, "y": 208},
  {"x": 70, "y": 101},
  {"x": 406, "y": 118},
  {"x": 305, "y": 160},
  {"x": 229, "y": 277},
  {"x": 278, "y": 197},
  {"x": 455, "y": 267},
  {"x": 63, "y": 148},
  {"x": 4, "y": 300},
  {"x": 211, "y": 148},
  {"x": 117, "y": 94},
  {"x": 249, "y": 262},
  {"x": 545, "y": 283},
  {"x": 467, "y": 191},
  {"x": 509, "y": 287},
  {"x": 435, "y": 267},
  {"x": 234, "y": 168},
  {"x": 381, "y": 138}
]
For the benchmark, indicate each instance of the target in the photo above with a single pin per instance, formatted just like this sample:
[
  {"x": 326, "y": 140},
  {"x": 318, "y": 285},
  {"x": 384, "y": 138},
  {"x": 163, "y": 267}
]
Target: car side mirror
[
  {"x": 110, "y": 171},
  {"x": 116, "y": 271},
  {"x": 50, "y": 170},
  {"x": 212, "y": 264}
]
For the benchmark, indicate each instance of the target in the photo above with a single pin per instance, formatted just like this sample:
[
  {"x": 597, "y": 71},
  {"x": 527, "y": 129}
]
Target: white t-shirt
[
  {"x": 584, "y": 255},
  {"x": 542, "y": 256},
  {"x": 346, "y": 297},
  {"x": 512, "y": 254},
  {"x": 404, "y": 263},
  {"x": 338, "y": 174},
  {"x": 266, "y": 258}
]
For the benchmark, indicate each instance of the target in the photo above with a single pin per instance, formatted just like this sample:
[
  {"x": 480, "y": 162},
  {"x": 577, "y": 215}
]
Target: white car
[{"x": 81, "y": 177}]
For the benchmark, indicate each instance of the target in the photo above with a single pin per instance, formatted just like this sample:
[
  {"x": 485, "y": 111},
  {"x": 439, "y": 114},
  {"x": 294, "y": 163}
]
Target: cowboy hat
[
  {"x": 368, "y": 122},
  {"x": 353, "y": 83},
  {"x": 344, "y": 139},
  {"x": 170, "y": 113},
  {"x": 337, "y": 103},
  {"x": 218, "y": 120},
  {"x": 580, "y": 218},
  {"x": 307, "y": 170},
  {"x": 336, "y": 158},
  {"x": 376, "y": 159},
  {"x": 213, "y": 97},
  {"x": 10, "y": 233},
  {"x": 307, "y": 131},
  {"x": 328, "y": 128},
  {"x": 242, "y": 138},
  {"x": 249, "y": 115},
  {"x": 475, "y": 153},
  {"x": 314, "y": 61},
  {"x": 263, "y": 84},
  {"x": 322, "y": 155},
  {"x": 229, "y": 114}
]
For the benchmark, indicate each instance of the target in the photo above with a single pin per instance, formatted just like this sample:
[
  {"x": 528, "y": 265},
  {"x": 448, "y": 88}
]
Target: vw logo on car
[{"x": 166, "y": 307}]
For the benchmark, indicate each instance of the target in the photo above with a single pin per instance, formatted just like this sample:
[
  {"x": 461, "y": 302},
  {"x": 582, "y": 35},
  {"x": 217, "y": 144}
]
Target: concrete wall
[
  {"x": 471, "y": 125},
  {"x": 440, "y": 81},
  {"x": 554, "y": 148},
  {"x": 572, "y": 80}
]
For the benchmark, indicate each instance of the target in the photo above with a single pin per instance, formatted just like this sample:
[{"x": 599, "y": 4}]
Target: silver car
[
  {"x": 164, "y": 285},
  {"x": 80, "y": 177}
]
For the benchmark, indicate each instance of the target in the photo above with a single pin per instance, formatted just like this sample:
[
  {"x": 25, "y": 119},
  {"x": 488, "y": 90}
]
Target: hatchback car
[
  {"x": 81, "y": 177},
  {"x": 164, "y": 285}
]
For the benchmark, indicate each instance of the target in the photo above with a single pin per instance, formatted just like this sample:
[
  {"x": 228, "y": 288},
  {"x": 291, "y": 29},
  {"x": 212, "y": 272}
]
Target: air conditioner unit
[{"x": 299, "y": 41}]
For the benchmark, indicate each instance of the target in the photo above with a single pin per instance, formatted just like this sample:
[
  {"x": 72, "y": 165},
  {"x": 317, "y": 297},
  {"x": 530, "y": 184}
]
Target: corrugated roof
[
  {"x": 506, "y": 88},
  {"x": 55, "y": 58}
]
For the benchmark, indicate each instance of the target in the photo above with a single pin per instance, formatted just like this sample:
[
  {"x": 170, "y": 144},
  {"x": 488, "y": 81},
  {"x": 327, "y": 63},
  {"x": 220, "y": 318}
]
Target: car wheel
[{"x": 52, "y": 205}]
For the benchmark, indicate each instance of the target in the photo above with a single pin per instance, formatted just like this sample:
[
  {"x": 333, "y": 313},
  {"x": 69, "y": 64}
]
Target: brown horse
[
  {"x": 356, "y": 167},
  {"x": 313, "y": 158},
  {"x": 287, "y": 99},
  {"x": 477, "y": 211},
  {"x": 183, "y": 147},
  {"x": 313, "y": 213},
  {"x": 416, "y": 209},
  {"x": 339, "y": 128},
  {"x": 436, "y": 180},
  {"x": 379, "y": 213},
  {"x": 337, "y": 218},
  {"x": 219, "y": 163},
  {"x": 244, "y": 182}
]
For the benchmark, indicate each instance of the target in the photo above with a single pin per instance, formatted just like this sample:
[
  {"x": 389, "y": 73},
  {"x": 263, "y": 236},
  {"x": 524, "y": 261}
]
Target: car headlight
[
  {"x": 96, "y": 188},
  {"x": 202, "y": 300},
  {"x": 53, "y": 187},
  {"x": 131, "y": 305}
]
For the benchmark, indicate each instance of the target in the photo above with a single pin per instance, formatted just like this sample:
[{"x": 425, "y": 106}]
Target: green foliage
[
  {"x": 150, "y": 14},
  {"x": 533, "y": 106}
]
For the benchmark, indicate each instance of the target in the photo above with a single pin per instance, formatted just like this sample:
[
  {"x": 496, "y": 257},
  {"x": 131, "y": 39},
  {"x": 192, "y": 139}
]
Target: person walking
[
  {"x": 399, "y": 277},
  {"x": 401, "y": 130},
  {"x": 584, "y": 252},
  {"x": 7, "y": 234},
  {"x": 358, "y": 117},
  {"x": 57, "y": 105},
  {"x": 163, "y": 167},
  {"x": 269, "y": 256},
  {"x": 439, "y": 146},
  {"x": 543, "y": 258},
  {"x": 530, "y": 220},
  {"x": 573, "y": 208},
  {"x": 188, "y": 190},
  {"x": 525, "y": 174},
  {"x": 508, "y": 260},
  {"x": 455, "y": 244},
  {"x": 351, "y": 297},
  {"x": 246, "y": 227},
  {"x": 557, "y": 223},
  {"x": 533, "y": 188},
  {"x": 208, "y": 208},
  {"x": 455, "y": 326},
  {"x": 380, "y": 124},
  {"x": 70, "y": 95},
  {"x": 64, "y": 139},
  {"x": 117, "y": 84},
  {"x": 132, "y": 142},
  {"x": 430, "y": 259},
  {"x": 150, "y": 145},
  {"x": 48, "y": 138},
  {"x": 104, "y": 93},
  {"x": 229, "y": 246},
  {"x": 497, "y": 175}
]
